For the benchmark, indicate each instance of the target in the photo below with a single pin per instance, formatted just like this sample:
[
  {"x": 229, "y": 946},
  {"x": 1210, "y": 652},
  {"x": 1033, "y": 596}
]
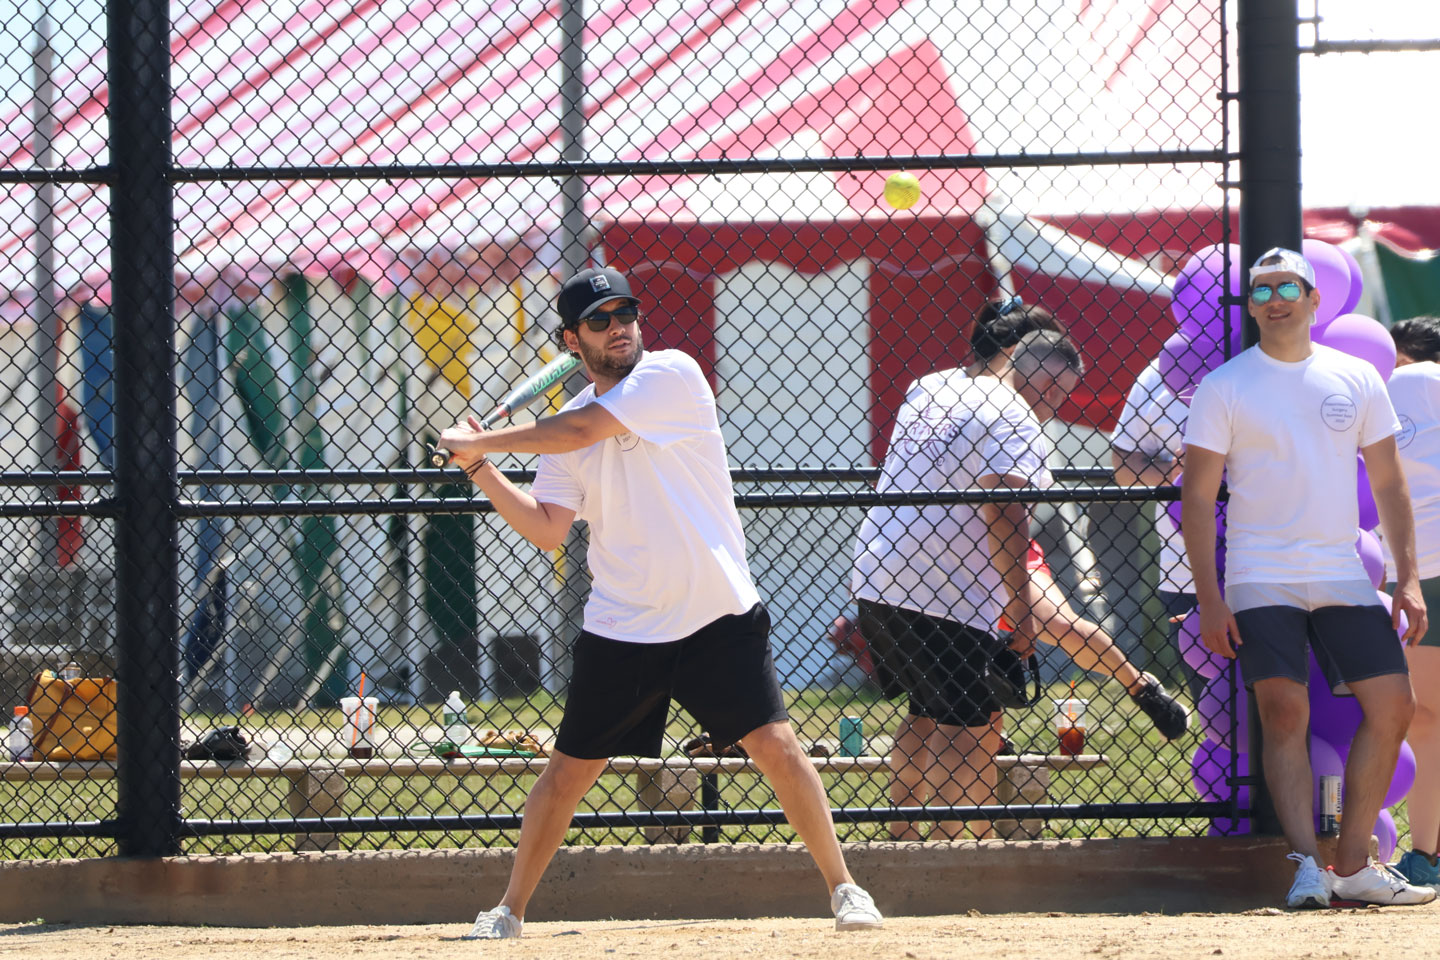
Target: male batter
[{"x": 672, "y": 611}]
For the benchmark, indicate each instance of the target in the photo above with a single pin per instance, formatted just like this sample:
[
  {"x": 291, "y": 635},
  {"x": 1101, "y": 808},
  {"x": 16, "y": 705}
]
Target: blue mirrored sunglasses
[
  {"x": 599, "y": 321},
  {"x": 1289, "y": 292}
]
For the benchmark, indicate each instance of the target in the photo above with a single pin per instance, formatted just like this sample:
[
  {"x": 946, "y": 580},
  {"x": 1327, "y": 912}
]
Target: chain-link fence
[{"x": 367, "y": 211}]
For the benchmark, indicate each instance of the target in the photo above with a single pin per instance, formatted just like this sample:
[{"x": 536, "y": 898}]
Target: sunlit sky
[
  {"x": 1367, "y": 128},
  {"x": 1367, "y": 120}
]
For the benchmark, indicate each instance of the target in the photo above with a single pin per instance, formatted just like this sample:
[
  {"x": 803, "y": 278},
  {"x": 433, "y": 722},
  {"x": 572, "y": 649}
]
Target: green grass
[{"x": 1142, "y": 768}]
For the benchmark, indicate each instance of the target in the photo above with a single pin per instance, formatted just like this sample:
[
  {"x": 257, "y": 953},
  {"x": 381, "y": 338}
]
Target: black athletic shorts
[
  {"x": 938, "y": 664},
  {"x": 1341, "y": 620},
  {"x": 619, "y": 700}
]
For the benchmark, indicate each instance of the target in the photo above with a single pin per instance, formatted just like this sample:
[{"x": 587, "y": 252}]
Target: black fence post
[
  {"x": 1270, "y": 210},
  {"x": 146, "y": 491}
]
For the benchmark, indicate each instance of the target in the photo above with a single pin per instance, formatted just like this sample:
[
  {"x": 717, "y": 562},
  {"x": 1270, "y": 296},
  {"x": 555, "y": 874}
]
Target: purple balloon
[
  {"x": 1209, "y": 771},
  {"x": 1386, "y": 833},
  {"x": 1212, "y": 710},
  {"x": 1175, "y": 510},
  {"x": 1404, "y": 777},
  {"x": 1197, "y": 290},
  {"x": 1369, "y": 514},
  {"x": 1371, "y": 554},
  {"x": 1401, "y": 780},
  {"x": 1193, "y": 650},
  {"x": 1332, "y": 278},
  {"x": 1357, "y": 281},
  {"x": 1360, "y": 336},
  {"x": 1333, "y": 719},
  {"x": 1185, "y": 359}
]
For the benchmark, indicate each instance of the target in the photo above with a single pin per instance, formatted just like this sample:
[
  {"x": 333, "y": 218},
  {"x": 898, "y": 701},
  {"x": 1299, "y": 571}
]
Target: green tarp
[{"x": 1412, "y": 283}]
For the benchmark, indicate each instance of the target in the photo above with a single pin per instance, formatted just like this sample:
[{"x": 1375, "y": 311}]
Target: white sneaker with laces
[
  {"x": 853, "y": 909},
  {"x": 1377, "y": 884},
  {"x": 1311, "y": 888},
  {"x": 496, "y": 924}
]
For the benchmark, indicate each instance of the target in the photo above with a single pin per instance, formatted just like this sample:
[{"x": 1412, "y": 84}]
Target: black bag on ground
[
  {"x": 1006, "y": 675},
  {"x": 225, "y": 743}
]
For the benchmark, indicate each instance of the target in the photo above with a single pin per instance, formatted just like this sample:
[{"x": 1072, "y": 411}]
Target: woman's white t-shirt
[
  {"x": 667, "y": 553},
  {"x": 935, "y": 558},
  {"x": 1415, "y": 392},
  {"x": 1290, "y": 433}
]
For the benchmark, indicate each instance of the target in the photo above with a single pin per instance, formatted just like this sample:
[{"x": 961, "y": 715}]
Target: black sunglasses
[{"x": 599, "y": 321}]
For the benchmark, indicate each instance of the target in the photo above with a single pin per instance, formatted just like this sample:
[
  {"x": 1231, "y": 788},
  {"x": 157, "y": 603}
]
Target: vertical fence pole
[
  {"x": 146, "y": 551},
  {"x": 1270, "y": 211}
]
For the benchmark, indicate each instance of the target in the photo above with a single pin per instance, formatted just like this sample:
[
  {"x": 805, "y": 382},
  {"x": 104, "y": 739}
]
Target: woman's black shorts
[{"x": 938, "y": 664}]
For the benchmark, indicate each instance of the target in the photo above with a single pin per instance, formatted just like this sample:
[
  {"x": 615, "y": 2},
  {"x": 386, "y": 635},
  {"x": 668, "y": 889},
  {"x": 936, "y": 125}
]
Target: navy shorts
[
  {"x": 619, "y": 698},
  {"x": 939, "y": 664},
  {"x": 1341, "y": 620}
]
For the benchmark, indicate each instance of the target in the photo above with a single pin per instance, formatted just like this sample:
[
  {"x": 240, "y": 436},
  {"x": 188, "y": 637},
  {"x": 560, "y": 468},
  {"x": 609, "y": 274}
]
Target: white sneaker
[
  {"x": 1377, "y": 884},
  {"x": 497, "y": 924},
  {"x": 1311, "y": 888},
  {"x": 853, "y": 909}
]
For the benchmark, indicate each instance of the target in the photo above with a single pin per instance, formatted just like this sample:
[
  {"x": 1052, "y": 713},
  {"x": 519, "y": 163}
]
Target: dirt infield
[{"x": 1266, "y": 933}]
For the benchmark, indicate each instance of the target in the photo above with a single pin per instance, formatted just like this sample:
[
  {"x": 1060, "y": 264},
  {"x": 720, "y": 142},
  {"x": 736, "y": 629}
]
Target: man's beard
[{"x": 602, "y": 363}]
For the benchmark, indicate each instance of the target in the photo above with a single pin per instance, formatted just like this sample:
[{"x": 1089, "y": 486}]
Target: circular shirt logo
[
  {"x": 1338, "y": 412},
  {"x": 627, "y": 441},
  {"x": 1407, "y": 431}
]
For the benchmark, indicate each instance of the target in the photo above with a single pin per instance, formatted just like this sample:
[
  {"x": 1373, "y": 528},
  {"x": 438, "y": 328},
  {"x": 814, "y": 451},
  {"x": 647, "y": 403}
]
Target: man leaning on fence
[
  {"x": 1283, "y": 422},
  {"x": 672, "y": 612}
]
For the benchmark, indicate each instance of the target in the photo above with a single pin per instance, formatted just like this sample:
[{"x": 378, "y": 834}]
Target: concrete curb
[{"x": 1130, "y": 875}]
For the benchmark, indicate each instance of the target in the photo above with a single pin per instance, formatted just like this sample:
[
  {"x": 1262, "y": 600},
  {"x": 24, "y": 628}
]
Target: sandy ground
[{"x": 1381, "y": 933}]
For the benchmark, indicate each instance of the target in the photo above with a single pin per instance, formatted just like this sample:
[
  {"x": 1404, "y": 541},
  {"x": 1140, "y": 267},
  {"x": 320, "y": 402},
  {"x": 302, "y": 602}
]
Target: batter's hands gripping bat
[{"x": 519, "y": 398}]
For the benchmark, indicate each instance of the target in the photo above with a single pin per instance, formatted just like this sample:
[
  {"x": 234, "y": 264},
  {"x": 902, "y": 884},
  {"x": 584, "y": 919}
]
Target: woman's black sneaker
[{"x": 1168, "y": 714}]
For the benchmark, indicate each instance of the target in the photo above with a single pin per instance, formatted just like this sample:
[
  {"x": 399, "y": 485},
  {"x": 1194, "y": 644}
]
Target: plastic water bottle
[
  {"x": 21, "y": 739},
  {"x": 457, "y": 724}
]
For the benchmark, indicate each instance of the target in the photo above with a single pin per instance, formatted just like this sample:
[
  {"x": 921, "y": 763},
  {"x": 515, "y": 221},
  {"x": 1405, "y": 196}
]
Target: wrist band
[{"x": 474, "y": 468}]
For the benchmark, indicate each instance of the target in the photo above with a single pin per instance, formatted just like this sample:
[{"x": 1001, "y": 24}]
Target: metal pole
[
  {"x": 575, "y": 256},
  {"x": 1270, "y": 211},
  {"x": 146, "y": 483},
  {"x": 43, "y": 309},
  {"x": 572, "y": 134}
]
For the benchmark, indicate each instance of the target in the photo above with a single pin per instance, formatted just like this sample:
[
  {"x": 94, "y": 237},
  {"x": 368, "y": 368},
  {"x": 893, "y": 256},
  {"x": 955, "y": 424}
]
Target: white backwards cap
[{"x": 1289, "y": 262}]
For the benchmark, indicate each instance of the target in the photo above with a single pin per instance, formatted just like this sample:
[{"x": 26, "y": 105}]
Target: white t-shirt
[
  {"x": 667, "y": 553},
  {"x": 935, "y": 558},
  {"x": 1415, "y": 392},
  {"x": 1154, "y": 420},
  {"x": 1290, "y": 433}
]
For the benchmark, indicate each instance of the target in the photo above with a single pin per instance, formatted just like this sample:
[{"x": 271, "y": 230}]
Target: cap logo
[{"x": 599, "y": 283}]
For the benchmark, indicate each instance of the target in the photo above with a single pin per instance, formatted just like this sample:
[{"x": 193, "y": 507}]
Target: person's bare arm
[
  {"x": 1203, "y": 470},
  {"x": 1009, "y": 533},
  {"x": 543, "y": 524},
  {"x": 566, "y": 431},
  {"x": 1392, "y": 502}
]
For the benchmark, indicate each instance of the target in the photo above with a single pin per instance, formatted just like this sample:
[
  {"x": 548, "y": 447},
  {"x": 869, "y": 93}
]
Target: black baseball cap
[{"x": 582, "y": 293}]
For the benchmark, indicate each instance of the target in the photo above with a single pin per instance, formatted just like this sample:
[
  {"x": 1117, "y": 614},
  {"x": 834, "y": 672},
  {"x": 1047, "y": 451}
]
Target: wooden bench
[{"x": 317, "y": 787}]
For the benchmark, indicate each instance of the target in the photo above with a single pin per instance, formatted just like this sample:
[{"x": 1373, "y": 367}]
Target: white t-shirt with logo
[
  {"x": 936, "y": 558},
  {"x": 1415, "y": 392},
  {"x": 1153, "y": 421},
  {"x": 1290, "y": 433},
  {"x": 667, "y": 553}
]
